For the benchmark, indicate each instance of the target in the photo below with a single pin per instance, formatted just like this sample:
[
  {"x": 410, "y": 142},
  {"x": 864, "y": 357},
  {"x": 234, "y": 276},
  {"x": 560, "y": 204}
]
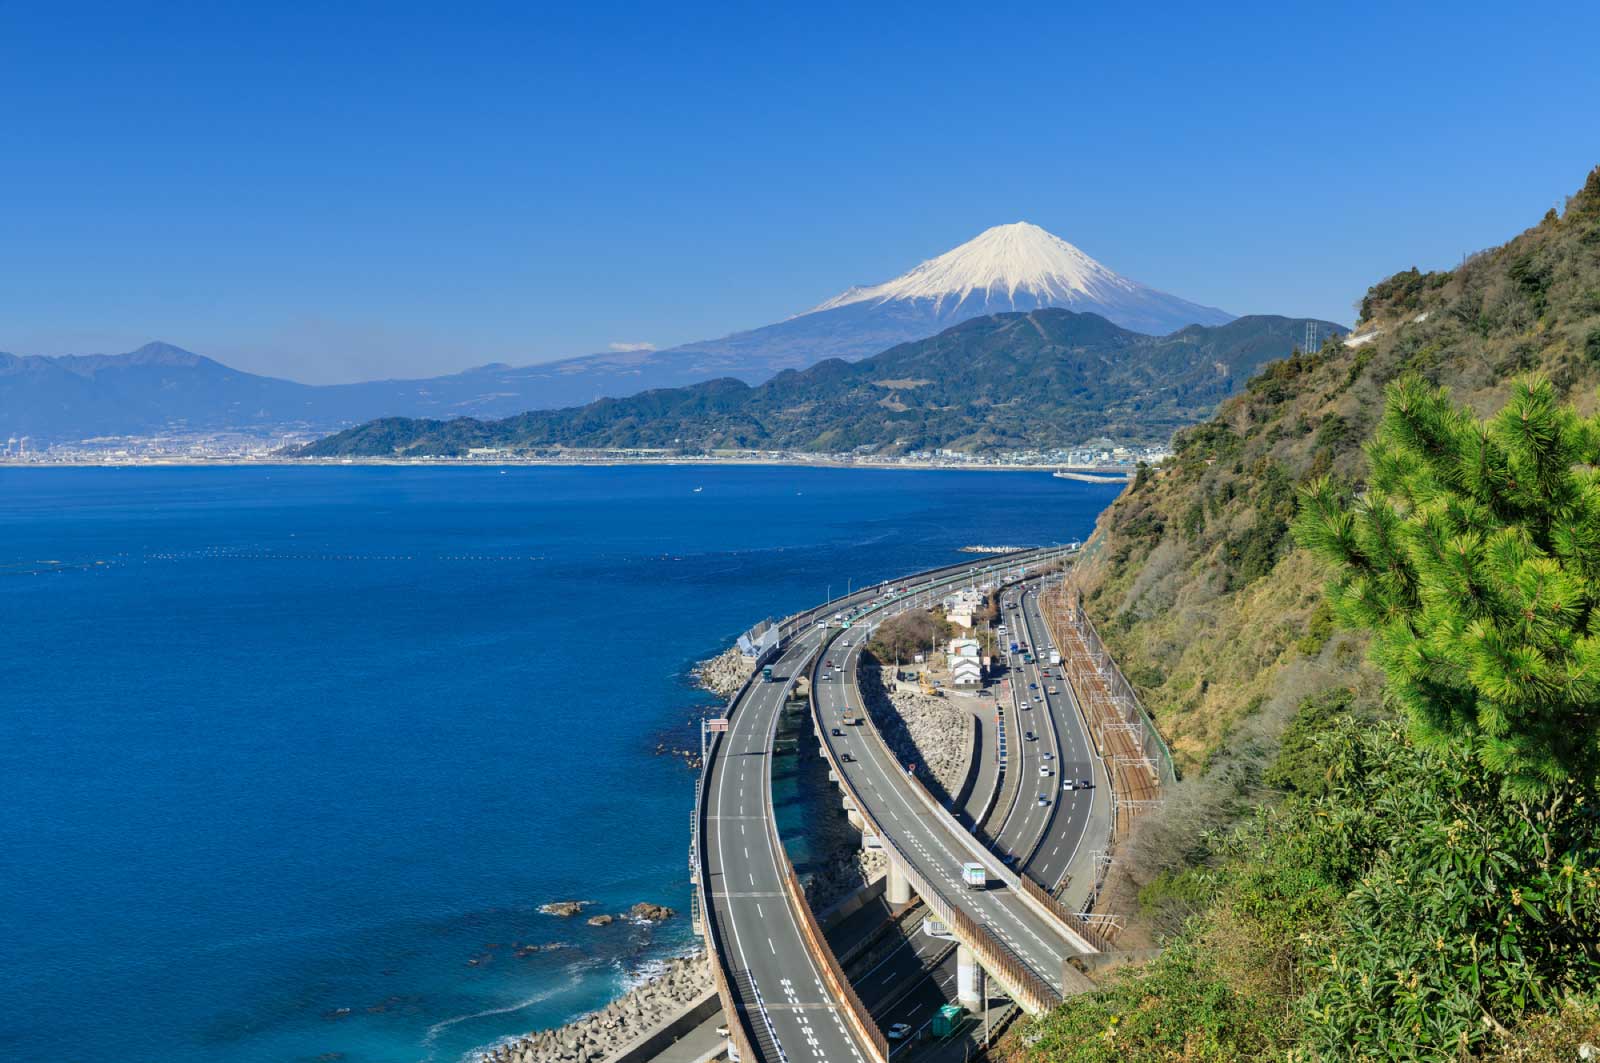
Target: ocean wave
[{"x": 430, "y": 1038}]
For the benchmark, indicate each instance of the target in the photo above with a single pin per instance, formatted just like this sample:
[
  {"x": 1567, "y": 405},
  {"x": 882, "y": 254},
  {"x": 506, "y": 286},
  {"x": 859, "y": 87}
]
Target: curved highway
[
  {"x": 769, "y": 968},
  {"x": 933, "y": 846},
  {"x": 1060, "y": 729}
]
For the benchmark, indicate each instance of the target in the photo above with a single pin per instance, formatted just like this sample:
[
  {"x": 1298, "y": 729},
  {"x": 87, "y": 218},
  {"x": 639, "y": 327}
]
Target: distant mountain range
[
  {"x": 161, "y": 388},
  {"x": 1048, "y": 378}
]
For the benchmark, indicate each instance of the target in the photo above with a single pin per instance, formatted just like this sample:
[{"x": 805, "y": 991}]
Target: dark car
[
  {"x": 1029, "y": 736},
  {"x": 847, "y": 757},
  {"x": 838, "y": 733}
]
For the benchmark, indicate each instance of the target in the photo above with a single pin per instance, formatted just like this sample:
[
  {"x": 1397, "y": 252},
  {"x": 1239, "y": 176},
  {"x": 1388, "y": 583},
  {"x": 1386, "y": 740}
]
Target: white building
[
  {"x": 966, "y": 667},
  {"x": 963, "y": 607},
  {"x": 965, "y": 672},
  {"x": 758, "y": 640}
]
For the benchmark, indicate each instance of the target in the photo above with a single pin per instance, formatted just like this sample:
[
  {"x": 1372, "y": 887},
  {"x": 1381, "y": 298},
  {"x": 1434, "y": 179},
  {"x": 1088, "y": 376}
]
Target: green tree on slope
[{"x": 1474, "y": 558}]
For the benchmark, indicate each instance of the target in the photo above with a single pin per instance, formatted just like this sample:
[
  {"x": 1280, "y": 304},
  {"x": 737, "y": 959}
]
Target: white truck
[
  {"x": 1055, "y": 657},
  {"x": 974, "y": 876}
]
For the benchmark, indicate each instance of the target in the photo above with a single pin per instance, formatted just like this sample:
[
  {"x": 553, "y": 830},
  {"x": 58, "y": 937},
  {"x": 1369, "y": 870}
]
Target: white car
[
  {"x": 1047, "y": 755},
  {"x": 1044, "y": 771}
]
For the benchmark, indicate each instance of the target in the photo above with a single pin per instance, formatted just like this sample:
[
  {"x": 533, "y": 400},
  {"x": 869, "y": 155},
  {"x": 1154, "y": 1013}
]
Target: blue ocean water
[{"x": 289, "y": 757}]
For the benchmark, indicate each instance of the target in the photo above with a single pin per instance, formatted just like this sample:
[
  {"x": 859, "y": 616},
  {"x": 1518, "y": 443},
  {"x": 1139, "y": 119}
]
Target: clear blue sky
[{"x": 343, "y": 191}]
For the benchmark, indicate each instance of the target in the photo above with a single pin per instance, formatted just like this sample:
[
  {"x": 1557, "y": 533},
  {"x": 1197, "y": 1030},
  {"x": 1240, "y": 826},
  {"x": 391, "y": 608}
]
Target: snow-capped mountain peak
[
  {"x": 1023, "y": 267},
  {"x": 1001, "y": 262}
]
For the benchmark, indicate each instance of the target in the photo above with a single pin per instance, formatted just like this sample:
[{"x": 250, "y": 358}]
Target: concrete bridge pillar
[
  {"x": 855, "y": 819},
  {"x": 897, "y": 889},
  {"x": 971, "y": 993}
]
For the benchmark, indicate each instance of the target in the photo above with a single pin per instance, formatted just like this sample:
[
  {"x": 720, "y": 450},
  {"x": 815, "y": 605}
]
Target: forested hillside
[
  {"x": 1331, "y": 877},
  {"x": 1049, "y": 378}
]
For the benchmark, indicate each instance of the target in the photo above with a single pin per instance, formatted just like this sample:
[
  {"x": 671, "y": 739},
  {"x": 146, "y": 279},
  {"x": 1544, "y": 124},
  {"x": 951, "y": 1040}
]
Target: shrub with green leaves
[
  {"x": 1403, "y": 910},
  {"x": 1474, "y": 558},
  {"x": 1464, "y": 912}
]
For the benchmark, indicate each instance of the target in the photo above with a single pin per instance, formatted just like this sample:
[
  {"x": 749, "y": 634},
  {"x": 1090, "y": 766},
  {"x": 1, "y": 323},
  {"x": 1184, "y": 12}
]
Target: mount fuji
[
  {"x": 1018, "y": 267},
  {"x": 1021, "y": 267}
]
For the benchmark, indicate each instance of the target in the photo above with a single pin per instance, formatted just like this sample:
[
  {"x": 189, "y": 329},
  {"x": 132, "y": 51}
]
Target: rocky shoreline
[
  {"x": 600, "y": 1034},
  {"x": 725, "y": 673}
]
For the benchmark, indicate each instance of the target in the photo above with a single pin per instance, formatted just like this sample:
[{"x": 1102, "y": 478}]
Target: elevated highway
[
  {"x": 1011, "y": 928},
  {"x": 781, "y": 987}
]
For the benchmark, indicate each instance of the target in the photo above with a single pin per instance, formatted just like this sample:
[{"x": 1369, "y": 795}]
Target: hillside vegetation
[
  {"x": 1363, "y": 861},
  {"x": 1049, "y": 378},
  {"x": 1194, "y": 576}
]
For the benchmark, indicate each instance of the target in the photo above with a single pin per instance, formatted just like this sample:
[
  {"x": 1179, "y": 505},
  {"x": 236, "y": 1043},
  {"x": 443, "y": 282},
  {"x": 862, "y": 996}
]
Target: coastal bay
[{"x": 296, "y": 754}]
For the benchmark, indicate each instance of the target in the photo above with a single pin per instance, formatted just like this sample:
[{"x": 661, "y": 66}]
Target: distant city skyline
[{"x": 376, "y": 191}]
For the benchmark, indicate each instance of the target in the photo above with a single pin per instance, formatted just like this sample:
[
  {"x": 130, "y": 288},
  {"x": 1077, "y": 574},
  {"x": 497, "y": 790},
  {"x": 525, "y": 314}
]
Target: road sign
[{"x": 718, "y": 724}]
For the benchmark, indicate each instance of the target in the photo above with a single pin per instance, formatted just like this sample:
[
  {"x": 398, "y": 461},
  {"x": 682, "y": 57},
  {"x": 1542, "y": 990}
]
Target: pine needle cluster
[{"x": 1473, "y": 555}]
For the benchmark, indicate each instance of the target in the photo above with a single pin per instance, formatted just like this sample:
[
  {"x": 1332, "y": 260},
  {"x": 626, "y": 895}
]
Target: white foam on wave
[
  {"x": 654, "y": 967},
  {"x": 429, "y": 1039},
  {"x": 471, "y": 1055}
]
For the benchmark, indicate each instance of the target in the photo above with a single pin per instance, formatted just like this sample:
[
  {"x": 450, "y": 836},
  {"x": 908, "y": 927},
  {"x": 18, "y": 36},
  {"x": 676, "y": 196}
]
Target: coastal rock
[
  {"x": 923, "y": 730},
  {"x": 652, "y": 913},
  {"x": 725, "y": 673},
  {"x": 600, "y": 1034},
  {"x": 564, "y": 909},
  {"x": 846, "y": 870},
  {"x": 600, "y": 920}
]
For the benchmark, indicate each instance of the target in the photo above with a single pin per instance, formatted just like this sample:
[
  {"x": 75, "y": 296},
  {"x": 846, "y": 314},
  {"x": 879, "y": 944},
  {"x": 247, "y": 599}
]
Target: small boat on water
[{"x": 697, "y": 490}]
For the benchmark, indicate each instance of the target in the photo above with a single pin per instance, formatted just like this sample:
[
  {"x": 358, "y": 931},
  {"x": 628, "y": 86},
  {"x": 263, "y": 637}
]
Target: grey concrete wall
[{"x": 649, "y": 1045}]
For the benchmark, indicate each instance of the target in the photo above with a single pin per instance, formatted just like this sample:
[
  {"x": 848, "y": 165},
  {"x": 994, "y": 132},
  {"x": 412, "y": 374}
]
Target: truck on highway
[
  {"x": 974, "y": 876},
  {"x": 1055, "y": 657},
  {"x": 766, "y": 674},
  {"x": 852, "y": 719}
]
